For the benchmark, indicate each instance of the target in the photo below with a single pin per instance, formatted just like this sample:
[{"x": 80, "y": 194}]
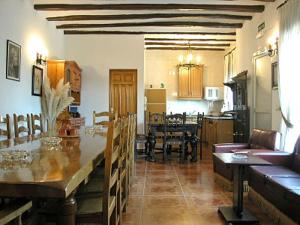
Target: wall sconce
[
  {"x": 273, "y": 48},
  {"x": 40, "y": 59}
]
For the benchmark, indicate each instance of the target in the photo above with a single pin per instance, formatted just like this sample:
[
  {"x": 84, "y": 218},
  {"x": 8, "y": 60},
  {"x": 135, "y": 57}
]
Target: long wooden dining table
[{"x": 53, "y": 173}]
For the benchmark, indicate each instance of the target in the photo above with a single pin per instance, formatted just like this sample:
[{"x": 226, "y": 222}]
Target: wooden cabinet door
[
  {"x": 183, "y": 82},
  {"x": 123, "y": 91},
  {"x": 196, "y": 82}
]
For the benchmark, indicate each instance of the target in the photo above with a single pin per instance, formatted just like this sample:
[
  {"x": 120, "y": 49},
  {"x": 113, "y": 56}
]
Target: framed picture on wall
[
  {"x": 37, "y": 81},
  {"x": 275, "y": 75},
  {"x": 13, "y": 61}
]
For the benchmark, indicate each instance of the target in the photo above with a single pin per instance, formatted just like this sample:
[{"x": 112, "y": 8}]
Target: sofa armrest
[
  {"x": 227, "y": 147},
  {"x": 277, "y": 157}
]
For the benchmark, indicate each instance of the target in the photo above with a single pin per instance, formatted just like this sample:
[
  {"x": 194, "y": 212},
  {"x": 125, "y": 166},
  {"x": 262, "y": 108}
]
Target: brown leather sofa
[
  {"x": 261, "y": 142},
  {"x": 280, "y": 184}
]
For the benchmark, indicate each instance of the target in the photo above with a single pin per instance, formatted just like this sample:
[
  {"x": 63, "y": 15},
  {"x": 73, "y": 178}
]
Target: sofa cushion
[
  {"x": 274, "y": 171},
  {"x": 263, "y": 139}
]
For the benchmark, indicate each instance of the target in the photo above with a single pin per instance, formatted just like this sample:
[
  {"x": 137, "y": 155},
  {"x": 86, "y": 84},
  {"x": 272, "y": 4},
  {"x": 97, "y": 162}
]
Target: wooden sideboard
[
  {"x": 190, "y": 82},
  {"x": 70, "y": 72}
]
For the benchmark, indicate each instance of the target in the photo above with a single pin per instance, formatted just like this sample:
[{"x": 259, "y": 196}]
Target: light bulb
[
  {"x": 189, "y": 58},
  {"x": 180, "y": 59},
  {"x": 198, "y": 59}
]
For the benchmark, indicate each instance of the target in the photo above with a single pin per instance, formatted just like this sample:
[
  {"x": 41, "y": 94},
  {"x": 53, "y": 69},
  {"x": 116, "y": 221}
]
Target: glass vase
[{"x": 52, "y": 128}]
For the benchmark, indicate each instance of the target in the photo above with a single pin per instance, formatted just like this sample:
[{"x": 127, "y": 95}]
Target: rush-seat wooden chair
[
  {"x": 36, "y": 123},
  {"x": 22, "y": 125},
  {"x": 12, "y": 212},
  {"x": 100, "y": 117},
  {"x": 5, "y": 127},
  {"x": 102, "y": 208}
]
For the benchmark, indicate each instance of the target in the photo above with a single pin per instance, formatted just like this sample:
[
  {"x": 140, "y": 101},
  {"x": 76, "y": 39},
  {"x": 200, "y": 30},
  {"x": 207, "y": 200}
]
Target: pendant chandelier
[{"x": 189, "y": 59}]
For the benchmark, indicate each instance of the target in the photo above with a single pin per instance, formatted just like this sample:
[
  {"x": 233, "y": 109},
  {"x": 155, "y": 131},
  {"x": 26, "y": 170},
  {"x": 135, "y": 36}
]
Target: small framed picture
[
  {"x": 13, "y": 61},
  {"x": 37, "y": 81},
  {"x": 275, "y": 75}
]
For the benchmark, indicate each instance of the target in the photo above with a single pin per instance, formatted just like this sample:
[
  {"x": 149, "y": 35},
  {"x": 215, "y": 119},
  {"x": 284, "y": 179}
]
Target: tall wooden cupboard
[{"x": 70, "y": 72}]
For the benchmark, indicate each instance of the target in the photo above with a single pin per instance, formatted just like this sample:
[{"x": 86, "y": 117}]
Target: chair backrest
[
  {"x": 111, "y": 172},
  {"x": 36, "y": 123},
  {"x": 5, "y": 127},
  {"x": 124, "y": 135},
  {"x": 200, "y": 117},
  {"x": 266, "y": 139},
  {"x": 175, "y": 118},
  {"x": 100, "y": 117},
  {"x": 22, "y": 125}
]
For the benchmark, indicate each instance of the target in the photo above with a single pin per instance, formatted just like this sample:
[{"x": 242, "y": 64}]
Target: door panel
[
  {"x": 263, "y": 94},
  {"x": 196, "y": 82},
  {"x": 183, "y": 82},
  {"x": 123, "y": 91}
]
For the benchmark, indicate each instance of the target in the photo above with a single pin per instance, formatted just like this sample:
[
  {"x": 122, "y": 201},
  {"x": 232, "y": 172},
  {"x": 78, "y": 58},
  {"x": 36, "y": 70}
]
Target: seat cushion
[
  {"x": 252, "y": 151},
  {"x": 285, "y": 183},
  {"x": 274, "y": 171}
]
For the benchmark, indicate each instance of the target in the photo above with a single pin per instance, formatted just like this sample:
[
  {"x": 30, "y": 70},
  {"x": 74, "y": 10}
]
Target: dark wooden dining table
[
  {"x": 53, "y": 173},
  {"x": 190, "y": 128}
]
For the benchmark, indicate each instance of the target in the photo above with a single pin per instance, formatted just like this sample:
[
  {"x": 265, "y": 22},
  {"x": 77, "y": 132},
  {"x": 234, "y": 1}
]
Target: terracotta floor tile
[
  {"x": 174, "y": 193},
  {"x": 168, "y": 217},
  {"x": 164, "y": 202},
  {"x": 162, "y": 189}
]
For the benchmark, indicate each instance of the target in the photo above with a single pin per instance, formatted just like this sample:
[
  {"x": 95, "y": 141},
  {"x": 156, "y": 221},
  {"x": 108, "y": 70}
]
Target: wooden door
[
  {"x": 196, "y": 80},
  {"x": 183, "y": 82},
  {"x": 123, "y": 91}
]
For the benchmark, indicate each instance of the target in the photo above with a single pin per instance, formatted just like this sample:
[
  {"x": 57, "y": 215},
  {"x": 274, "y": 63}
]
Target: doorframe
[
  {"x": 136, "y": 85},
  {"x": 256, "y": 56}
]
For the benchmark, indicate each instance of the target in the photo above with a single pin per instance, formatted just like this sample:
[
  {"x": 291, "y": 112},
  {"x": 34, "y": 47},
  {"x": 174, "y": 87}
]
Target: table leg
[
  {"x": 151, "y": 142},
  {"x": 194, "y": 148},
  {"x": 67, "y": 215},
  {"x": 236, "y": 214}
]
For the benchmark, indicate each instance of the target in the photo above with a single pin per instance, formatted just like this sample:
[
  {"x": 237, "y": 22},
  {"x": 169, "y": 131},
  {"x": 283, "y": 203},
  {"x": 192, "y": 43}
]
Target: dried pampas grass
[{"x": 54, "y": 101}]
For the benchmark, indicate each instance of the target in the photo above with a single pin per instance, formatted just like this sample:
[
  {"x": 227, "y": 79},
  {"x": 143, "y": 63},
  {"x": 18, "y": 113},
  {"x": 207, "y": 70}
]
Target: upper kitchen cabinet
[
  {"x": 70, "y": 72},
  {"x": 190, "y": 82}
]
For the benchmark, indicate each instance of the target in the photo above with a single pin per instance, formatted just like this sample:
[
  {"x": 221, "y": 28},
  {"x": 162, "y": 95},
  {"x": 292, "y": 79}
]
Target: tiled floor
[{"x": 177, "y": 194}]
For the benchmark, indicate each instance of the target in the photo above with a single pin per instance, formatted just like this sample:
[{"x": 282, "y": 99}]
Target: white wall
[
  {"x": 160, "y": 67},
  {"x": 20, "y": 23},
  {"x": 247, "y": 43},
  {"x": 96, "y": 55}
]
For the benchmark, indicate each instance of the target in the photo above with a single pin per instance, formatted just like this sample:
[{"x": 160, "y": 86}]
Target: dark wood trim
[
  {"x": 185, "y": 48},
  {"x": 282, "y": 4},
  {"x": 147, "y": 16},
  {"x": 102, "y": 32},
  {"x": 186, "y": 44},
  {"x": 189, "y": 39},
  {"x": 156, "y": 24},
  {"x": 214, "y": 7}
]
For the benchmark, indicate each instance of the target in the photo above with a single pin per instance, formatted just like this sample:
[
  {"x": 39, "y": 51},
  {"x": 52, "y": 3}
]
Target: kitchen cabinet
[
  {"x": 218, "y": 131},
  {"x": 190, "y": 82},
  {"x": 70, "y": 72}
]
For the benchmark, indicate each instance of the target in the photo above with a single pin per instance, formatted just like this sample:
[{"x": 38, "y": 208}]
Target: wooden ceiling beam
[
  {"x": 185, "y": 48},
  {"x": 102, "y": 32},
  {"x": 189, "y": 39},
  {"x": 147, "y": 16},
  {"x": 154, "y": 24},
  {"x": 214, "y": 7},
  {"x": 186, "y": 44}
]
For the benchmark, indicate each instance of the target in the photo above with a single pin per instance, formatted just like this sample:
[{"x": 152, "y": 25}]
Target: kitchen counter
[{"x": 218, "y": 117}]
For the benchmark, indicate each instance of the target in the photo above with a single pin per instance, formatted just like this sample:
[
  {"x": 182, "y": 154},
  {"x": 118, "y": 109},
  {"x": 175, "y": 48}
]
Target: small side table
[{"x": 236, "y": 214}]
